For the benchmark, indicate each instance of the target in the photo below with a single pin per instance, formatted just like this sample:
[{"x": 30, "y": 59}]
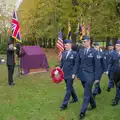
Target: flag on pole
[
  {"x": 82, "y": 31},
  {"x": 18, "y": 3},
  {"x": 60, "y": 45},
  {"x": 77, "y": 31},
  {"x": 69, "y": 31},
  {"x": 88, "y": 31},
  {"x": 16, "y": 28}
]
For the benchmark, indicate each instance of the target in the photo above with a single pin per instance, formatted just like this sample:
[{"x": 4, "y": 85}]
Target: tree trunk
[
  {"x": 107, "y": 41},
  {"x": 114, "y": 40},
  {"x": 46, "y": 44},
  {"x": 74, "y": 33}
]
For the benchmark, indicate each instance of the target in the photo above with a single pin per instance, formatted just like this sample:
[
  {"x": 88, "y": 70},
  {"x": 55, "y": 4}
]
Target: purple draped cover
[{"x": 34, "y": 58}]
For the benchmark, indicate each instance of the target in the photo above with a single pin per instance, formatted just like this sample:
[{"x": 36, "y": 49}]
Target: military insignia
[
  {"x": 98, "y": 57},
  {"x": 71, "y": 57},
  {"x": 105, "y": 57},
  {"x": 90, "y": 55},
  {"x": 119, "y": 61}
]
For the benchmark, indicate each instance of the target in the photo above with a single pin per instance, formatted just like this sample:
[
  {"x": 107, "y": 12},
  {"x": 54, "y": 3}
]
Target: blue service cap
[
  {"x": 110, "y": 44},
  {"x": 118, "y": 42},
  {"x": 96, "y": 44},
  {"x": 67, "y": 41},
  {"x": 85, "y": 38}
]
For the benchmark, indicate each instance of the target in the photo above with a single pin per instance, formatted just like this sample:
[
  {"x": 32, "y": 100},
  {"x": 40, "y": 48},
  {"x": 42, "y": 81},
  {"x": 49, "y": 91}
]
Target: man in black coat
[{"x": 10, "y": 62}]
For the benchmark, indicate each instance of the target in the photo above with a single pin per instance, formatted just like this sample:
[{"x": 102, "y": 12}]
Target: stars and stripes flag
[
  {"x": 16, "y": 28},
  {"x": 60, "y": 45}
]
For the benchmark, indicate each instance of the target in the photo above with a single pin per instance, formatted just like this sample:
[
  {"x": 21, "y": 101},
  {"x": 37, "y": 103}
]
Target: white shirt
[
  {"x": 68, "y": 52},
  {"x": 86, "y": 50}
]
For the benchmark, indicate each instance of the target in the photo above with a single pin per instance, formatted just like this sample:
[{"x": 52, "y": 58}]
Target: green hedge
[{"x": 3, "y": 47}]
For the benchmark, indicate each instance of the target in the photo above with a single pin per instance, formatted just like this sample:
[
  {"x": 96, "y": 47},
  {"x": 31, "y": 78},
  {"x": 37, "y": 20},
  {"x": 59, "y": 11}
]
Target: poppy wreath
[{"x": 57, "y": 75}]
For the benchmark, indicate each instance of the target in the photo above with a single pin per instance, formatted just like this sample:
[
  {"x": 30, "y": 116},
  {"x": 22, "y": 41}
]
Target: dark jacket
[
  {"x": 10, "y": 57},
  {"x": 67, "y": 64},
  {"x": 85, "y": 65}
]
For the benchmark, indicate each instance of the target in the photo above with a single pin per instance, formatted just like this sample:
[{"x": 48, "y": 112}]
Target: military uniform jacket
[
  {"x": 108, "y": 55},
  {"x": 67, "y": 63},
  {"x": 86, "y": 65},
  {"x": 101, "y": 62},
  {"x": 114, "y": 63}
]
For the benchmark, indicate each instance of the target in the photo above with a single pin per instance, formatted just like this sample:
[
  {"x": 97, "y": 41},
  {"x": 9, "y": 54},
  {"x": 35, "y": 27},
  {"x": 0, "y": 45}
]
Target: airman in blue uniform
[
  {"x": 114, "y": 66},
  {"x": 67, "y": 64},
  {"x": 110, "y": 72},
  {"x": 85, "y": 66},
  {"x": 101, "y": 65}
]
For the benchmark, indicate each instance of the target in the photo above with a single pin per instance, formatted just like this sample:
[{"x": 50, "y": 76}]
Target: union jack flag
[
  {"x": 16, "y": 27},
  {"x": 60, "y": 45}
]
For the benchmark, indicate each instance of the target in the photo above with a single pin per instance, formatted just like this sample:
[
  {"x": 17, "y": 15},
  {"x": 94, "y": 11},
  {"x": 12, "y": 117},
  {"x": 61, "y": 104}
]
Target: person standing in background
[
  {"x": 101, "y": 65},
  {"x": 108, "y": 54},
  {"x": 10, "y": 61}
]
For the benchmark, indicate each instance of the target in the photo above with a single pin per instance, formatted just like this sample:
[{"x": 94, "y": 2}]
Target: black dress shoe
[
  {"x": 108, "y": 89},
  {"x": 73, "y": 101},
  {"x": 115, "y": 102},
  {"x": 91, "y": 108},
  {"x": 12, "y": 84},
  {"x": 94, "y": 95},
  {"x": 81, "y": 116},
  {"x": 63, "y": 107},
  {"x": 99, "y": 92}
]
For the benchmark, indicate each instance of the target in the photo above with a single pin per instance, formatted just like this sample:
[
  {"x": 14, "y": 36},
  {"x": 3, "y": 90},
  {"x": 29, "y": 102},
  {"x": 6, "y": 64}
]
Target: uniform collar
[
  {"x": 69, "y": 50},
  {"x": 111, "y": 50},
  {"x": 118, "y": 52}
]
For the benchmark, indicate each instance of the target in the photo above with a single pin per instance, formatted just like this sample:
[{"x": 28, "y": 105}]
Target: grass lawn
[{"x": 35, "y": 97}]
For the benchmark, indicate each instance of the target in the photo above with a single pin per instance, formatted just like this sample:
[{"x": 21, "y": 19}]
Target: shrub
[{"x": 3, "y": 47}]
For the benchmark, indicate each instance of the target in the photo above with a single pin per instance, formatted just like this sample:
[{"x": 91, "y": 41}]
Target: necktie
[
  {"x": 67, "y": 53},
  {"x": 109, "y": 51},
  {"x": 85, "y": 52}
]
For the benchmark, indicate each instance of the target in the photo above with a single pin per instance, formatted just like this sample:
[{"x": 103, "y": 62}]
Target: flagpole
[
  {"x": 19, "y": 62},
  {"x": 17, "y": 39}
]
